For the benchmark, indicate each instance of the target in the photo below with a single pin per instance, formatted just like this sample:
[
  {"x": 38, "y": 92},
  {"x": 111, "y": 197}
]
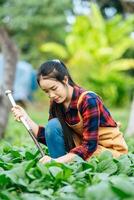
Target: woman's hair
[{"x": 55, "y": 69}]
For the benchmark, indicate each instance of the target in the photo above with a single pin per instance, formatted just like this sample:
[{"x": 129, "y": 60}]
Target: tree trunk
[
  {"x": 128, "y": 6},
  {"x": 130, "y": 128},
  {"x": 10, "y": 55}
]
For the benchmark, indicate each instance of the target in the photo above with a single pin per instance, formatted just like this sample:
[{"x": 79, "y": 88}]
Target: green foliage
[
  {"x": 22, "y": 177},
  {"x": 33, "y": 22},
  {"x": 95, "y": 49}
]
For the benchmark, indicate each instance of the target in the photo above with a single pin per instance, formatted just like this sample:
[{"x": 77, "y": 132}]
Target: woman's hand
[
  {"x": 63, "y": 159},
  {"x": 69, "y": 157},
  {"x": 45, "y": 159},
  {"x": 19, "y": 112}
]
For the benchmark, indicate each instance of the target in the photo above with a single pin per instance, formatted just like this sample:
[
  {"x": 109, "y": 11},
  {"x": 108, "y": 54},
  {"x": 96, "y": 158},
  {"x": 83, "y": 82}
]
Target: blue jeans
[{"x": 54, "y": 138}]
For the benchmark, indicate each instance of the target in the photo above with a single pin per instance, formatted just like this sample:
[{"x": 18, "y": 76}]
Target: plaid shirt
[{"x": 94, "y": 115}]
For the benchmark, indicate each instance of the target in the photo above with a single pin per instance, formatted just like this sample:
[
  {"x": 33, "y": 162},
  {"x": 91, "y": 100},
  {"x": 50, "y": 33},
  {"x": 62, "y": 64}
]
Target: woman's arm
[
  {"x": 32, "y": 125},
  {"x": 63, "y": 159},
  {"x": 67, "y": 158},
  {"x": 91, "y": 119},
  {"x": 19, "y": 112}
]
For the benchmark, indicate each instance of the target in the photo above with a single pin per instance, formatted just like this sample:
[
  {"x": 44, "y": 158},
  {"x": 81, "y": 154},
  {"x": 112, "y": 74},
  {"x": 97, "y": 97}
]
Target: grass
[{"x": 16, "y": 134}]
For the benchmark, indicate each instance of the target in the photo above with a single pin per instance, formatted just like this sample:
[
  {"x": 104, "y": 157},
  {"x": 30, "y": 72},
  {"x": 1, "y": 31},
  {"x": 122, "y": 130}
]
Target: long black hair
[{"x": 55, "y": 69}]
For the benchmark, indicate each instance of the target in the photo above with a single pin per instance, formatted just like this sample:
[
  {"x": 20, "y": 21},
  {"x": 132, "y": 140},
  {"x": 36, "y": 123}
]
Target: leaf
[
  {"x": 124, "y": 164},
  {"x": 83, "y": 174},
  {"x": 30, "y": 174},
  {"x": 121, "y": 65},
  {"x": 67, "y": 189},
  {"x": 105, "y": 155},
  {"x": 56, "y": 172},
  {"x": 4, "y": 181},
  {"x": 107, "y": 166},
  {"x": 47, "y": 192},
  {"x": 7, "y": 147},
  {"x": 29, "y": 155},
  {"x": 131, "y": 156},
  {"x": 122, "y": 186},
  {"x": 100, "y": 191},
  {"x": 55, "y": 49},
  {"x": 28, "y": 196},
  {"x": 5, "y": 195},
  {"x": 6, "y": 158},
  {"x": 6, "y": 166},
  {"x": 98, "y": 177},
  {"x": 17, "y": 173},
  {"x": 87, "y": 165},
  {"x": 43, "y": 169},
  {"x": 15, "y": 154},
  {"x": 67, "y": 170}
]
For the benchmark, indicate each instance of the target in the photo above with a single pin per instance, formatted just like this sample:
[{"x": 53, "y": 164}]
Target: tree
[
  {"x": 28, "y": 23},
  {"x": 32, "y": 22},
  {"x": 109, "y": 8},
  {"x": 9, "y": 51},
  {"x": 97, "y": 46},
  {"x": 114, "y": 5},
  {"x": 128, "y": 6}
]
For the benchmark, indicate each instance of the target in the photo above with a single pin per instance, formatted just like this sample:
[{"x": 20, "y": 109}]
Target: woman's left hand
[
  {"x": 45, "y": 159},
  {"x": 63, "y": 159}
]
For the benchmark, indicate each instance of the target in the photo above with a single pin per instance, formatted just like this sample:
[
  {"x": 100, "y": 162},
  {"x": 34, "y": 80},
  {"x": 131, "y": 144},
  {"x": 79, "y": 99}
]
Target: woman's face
[{"x": 56, "y": 90}]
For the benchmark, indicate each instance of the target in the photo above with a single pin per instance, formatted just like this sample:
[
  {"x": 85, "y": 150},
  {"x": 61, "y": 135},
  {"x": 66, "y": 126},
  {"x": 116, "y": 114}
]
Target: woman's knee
[{"x": 53, "y": 127}]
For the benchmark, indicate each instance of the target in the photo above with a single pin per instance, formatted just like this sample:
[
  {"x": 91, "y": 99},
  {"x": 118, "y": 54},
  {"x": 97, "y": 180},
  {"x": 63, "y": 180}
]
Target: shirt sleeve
[
  {"x": 89, "y": 110},
  {"x": 41, "y": 135}
]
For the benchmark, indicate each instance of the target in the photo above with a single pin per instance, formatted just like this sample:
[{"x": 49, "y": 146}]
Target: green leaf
[
  {"x": 29, "y": 155},
  {"x": 98, "y": 177},
  {"x": 121, "y": 65},
  {"x": 28, "y": 196},
  {"x": 7, "y": 147},
  {"x": 17, "y": 173},
  {"x": 122, "y": 186},
  {"x": 105, "y": 155},
  {"x": 131, "y": 157},
  {"x": 43, "y": 169},
  {"x": 67, "y": 189},
  {"x": 56, "y": 49},
  {"x": 47, "y": 193},
  {"x": 56, "y": 172},
  {"x": 4, "y": 181},
  {"x": 107, "y": 166},
  {"x": 124, "y": 164},
  {"x": 99, "y": 192},
  {"x": 5, "y": 165},
  {"x": 5, "y": 195}
]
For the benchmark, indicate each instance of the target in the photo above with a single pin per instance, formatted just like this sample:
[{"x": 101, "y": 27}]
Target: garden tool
[{"x": 26, "y": 125}]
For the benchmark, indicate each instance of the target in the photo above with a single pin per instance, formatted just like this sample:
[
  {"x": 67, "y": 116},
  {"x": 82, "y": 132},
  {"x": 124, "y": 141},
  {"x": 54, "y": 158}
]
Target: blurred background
[{"x": 95, "y": 39}]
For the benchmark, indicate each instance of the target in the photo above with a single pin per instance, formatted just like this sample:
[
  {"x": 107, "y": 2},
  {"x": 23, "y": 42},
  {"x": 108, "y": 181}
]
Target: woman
[{"x": 79, "y": 123}]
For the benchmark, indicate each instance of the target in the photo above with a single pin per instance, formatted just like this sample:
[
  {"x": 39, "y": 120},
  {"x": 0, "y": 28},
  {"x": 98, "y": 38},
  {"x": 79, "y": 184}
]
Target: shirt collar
[{"x": 75, "y": 96}]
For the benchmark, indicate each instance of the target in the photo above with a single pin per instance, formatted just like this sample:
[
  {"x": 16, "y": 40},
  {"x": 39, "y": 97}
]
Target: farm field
[
  {"x": 46, "y": 49},
  {"x": 22, "y": 177}
]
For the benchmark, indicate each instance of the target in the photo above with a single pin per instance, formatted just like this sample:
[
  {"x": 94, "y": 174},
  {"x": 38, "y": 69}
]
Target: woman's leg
[{"x": 54, "y": 138}]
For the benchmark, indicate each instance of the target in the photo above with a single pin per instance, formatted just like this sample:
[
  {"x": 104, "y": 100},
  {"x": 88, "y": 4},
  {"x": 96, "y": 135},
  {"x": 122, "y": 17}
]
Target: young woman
[{"x": 79, "y": 123}]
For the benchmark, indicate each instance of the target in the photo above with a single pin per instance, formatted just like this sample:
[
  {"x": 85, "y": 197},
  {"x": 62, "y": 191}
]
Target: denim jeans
[{"x": 54, "y": 138}]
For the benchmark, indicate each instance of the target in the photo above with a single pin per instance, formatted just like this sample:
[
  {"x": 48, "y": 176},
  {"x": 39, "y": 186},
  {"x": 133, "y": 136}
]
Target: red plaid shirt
[{"x": 94, "y": 115}]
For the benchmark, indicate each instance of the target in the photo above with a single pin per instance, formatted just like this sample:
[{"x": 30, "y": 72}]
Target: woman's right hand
[{"x": 19, "y": 112}]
